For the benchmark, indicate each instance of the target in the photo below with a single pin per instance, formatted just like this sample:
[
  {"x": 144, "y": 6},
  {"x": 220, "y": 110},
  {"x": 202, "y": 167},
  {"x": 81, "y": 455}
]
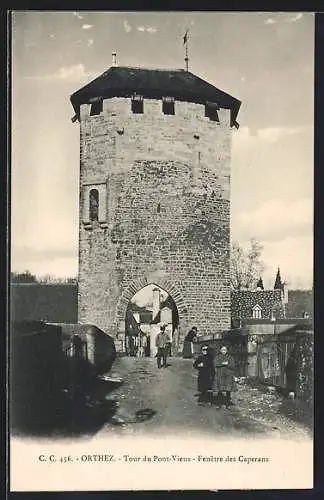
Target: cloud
[
  {"x": 285, "y": 230},
  {"x": 58, "y": 267},
  {"x": 266, "y": 135},
  {"x": 77, "y": 15},
  {"x": 70, "y": 72},
  {"x": 55, "y": 260},
  {"x": 149, "y": 29},
  {"x": 90, "y": 42},
  {"x": 290, "y": 19},
  {"x": 76, "y": 72},
  {"x": 127, "y": 26},
  {"x": 273, "y": 134},
  {"x": 31, "y": 254},
  {"x": 294, "y": 255},
  {"x": 277, "y": 219},
  {"x": 294, "y": 18},
  {"x": 87, "y": 26}
]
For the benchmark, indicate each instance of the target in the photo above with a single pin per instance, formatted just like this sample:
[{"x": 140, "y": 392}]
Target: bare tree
[
  {"x": 246, "y": 265},
  {"x": 57, "y": 280},
  {"x": 46, "y": 278},
  {"x": 28, "y": 277},
  {"x": 24, "y": 277}
]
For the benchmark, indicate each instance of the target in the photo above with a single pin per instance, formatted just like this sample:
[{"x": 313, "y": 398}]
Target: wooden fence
[{"x": 286, "y": 361}]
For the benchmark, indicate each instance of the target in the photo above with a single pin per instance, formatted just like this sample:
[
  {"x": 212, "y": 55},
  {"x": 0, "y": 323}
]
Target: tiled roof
[
  {"x": 242, "y": 303},
  {"x": 141, "y": 309},
  {"x": 154, "y": 84}
]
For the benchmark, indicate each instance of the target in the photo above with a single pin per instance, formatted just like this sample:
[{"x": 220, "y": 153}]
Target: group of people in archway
[
  {"x": 137, "y": 345},
  {"x": 216, "y": 373}
]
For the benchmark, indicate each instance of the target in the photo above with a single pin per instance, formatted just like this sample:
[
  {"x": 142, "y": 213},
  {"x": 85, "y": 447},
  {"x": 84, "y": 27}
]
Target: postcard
[{"x": 161, "y": 291}]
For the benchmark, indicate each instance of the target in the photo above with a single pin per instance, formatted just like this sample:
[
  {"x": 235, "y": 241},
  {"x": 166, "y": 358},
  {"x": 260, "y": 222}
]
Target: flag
[{"x": 185, "y": 38}]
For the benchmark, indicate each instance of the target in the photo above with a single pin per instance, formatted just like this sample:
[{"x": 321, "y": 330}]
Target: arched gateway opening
[{"x": 149, "y": 309}]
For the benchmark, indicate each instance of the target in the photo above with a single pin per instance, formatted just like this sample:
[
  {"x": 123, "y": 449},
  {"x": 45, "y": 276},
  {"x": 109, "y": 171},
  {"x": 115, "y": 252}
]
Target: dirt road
[{"x": 170, "y": 394}]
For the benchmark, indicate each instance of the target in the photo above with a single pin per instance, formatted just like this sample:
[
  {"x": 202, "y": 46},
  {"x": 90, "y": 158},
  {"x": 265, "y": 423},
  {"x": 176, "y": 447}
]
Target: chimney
[
  {"x": 114, "y": 59},
  {"x": 156, "y": 301}
]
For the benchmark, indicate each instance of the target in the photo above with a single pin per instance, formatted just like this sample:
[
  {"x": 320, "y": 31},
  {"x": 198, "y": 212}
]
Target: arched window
[{"x": 94, "y": 204}]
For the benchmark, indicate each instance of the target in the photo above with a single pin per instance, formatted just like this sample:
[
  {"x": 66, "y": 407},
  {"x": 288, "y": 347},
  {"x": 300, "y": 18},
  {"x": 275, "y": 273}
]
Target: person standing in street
[
  {"x": 224, "y": 381},
  {"x": 206, "y": 372},
  {"x": 161, "y": 342},
  {"x": 188, "y": 343},
  {"x": 142, "y": 345}
]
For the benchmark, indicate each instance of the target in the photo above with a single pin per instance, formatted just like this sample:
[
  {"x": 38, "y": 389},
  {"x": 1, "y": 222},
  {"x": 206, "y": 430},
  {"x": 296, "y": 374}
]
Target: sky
[
  {"x": 144, "y": 297},
  {"x": 264, "y": 59}
]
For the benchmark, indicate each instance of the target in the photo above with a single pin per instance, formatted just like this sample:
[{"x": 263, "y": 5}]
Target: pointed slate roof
[
  {"x": 182, "y": 85},
  {"x": 260, "y": 284},
  {"x": 278, "y": 283}
]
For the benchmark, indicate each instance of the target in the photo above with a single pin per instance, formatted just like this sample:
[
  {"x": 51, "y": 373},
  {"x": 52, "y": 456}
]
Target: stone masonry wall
[
  {"x": 168, "y": 212},
  {"x": 304, "y": 358}
]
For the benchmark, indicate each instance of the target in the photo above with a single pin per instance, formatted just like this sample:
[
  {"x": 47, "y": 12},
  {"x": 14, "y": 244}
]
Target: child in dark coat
[
  {"x": 224, "y": 376},
  {"x": 206, "y": 371}
]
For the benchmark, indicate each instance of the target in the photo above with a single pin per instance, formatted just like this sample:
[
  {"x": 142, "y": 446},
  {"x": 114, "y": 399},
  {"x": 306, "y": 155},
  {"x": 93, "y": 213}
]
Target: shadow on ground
[{"x": 75, "y": 413}]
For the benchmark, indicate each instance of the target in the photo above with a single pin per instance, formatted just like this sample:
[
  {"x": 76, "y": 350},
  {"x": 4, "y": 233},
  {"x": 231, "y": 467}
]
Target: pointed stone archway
[{"x": 167, "y": 285}]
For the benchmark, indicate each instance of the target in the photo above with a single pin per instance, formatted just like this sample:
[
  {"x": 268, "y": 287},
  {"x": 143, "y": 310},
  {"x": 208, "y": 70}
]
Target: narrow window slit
[{"x": 94, "y": 204}]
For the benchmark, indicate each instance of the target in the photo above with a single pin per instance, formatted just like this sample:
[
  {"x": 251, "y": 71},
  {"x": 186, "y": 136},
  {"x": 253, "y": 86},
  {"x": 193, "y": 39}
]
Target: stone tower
[{"x": 155, "y": 158}]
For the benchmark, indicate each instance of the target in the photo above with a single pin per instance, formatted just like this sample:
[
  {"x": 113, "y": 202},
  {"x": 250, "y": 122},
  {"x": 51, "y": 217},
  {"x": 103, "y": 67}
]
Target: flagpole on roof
[{"x": 185, "y": 43}]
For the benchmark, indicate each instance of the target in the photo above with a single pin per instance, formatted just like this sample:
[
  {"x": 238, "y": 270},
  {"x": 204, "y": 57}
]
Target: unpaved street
[{"x": 170, "y": 393}]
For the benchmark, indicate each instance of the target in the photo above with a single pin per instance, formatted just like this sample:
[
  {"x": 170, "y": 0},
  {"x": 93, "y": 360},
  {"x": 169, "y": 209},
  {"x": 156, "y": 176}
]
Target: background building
[{"x": 278, "y": 304}]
